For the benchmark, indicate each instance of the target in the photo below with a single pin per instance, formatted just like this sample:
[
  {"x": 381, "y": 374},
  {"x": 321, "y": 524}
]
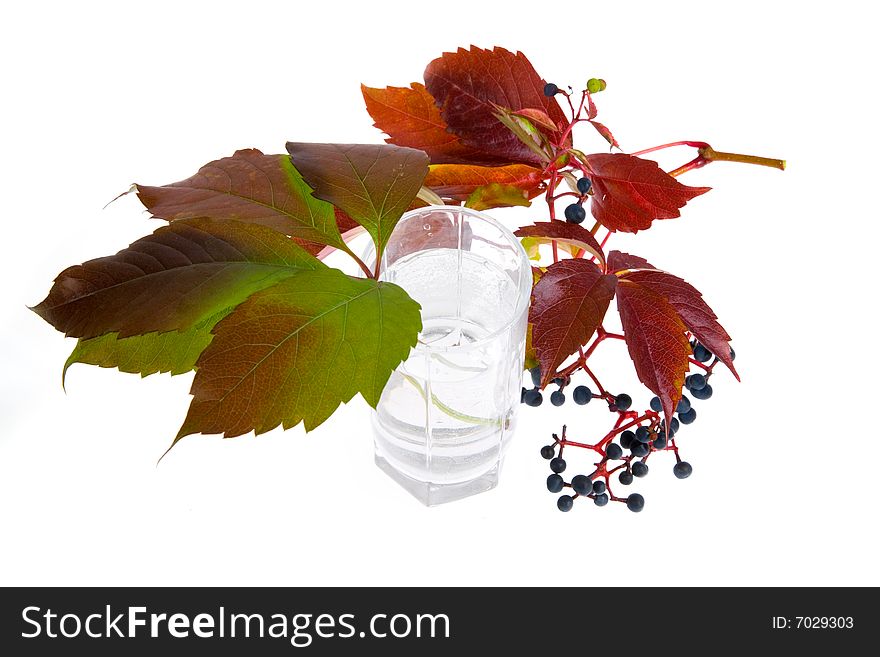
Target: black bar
[{"x": 512, "y": 621}]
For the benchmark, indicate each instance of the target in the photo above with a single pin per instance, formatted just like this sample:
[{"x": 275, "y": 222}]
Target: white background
[{"x": 784, "y": 489}]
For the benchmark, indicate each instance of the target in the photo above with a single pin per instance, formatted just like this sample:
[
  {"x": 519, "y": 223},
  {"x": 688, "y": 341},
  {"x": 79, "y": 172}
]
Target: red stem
[{"x": 692, "y": 144}]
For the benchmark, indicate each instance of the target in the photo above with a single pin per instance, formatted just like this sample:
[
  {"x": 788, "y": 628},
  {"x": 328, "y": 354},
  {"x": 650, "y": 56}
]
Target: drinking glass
[{"x": 447, "y": 413}]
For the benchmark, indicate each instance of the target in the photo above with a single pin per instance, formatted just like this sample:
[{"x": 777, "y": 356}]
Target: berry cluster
[
  {"x": 624, "y": 451},
  {"x": 581, "y": 395}
]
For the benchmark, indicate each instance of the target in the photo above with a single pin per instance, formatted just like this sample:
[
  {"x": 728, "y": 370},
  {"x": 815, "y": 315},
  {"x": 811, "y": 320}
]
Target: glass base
[{"x": 431, "y": 494}]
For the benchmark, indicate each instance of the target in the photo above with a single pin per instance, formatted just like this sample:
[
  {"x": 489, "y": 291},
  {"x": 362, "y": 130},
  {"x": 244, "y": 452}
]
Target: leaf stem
[
  {"x": 376, "y": 268},
  {"x": 363, "y": 266},
  {"x": 696, "y": 163}
]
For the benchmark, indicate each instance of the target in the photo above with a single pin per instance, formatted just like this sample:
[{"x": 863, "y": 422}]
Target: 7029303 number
[{"x": 823, "y": 622}]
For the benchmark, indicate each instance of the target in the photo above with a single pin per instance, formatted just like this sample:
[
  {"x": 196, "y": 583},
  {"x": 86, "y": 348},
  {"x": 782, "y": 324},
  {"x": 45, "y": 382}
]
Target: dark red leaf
[
  {"x": 655, "y": 337},
  {"x": 468, "y": 84},
  {"x": 694, "y": 312},
  {"x": 630, "y": 192},
  {"x": 568, "y": 304},
  {"x": 618, "y": 261},
  {"x": 171, "y": 280},
  {"x": 252, "y": 187},
  {"x": 563, "y": 231},
  {"x": 410, "y": 117}
]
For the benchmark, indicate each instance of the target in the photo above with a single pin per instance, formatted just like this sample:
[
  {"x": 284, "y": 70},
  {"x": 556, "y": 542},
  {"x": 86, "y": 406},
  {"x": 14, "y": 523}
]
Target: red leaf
[
  {"x": 631, "y": 192},
  {"x": 655, "y": 337},
  {"x": 605, "y": 132},
  {"x": 563, "y": 231},
  {"x": 592, "y": 112},
  {"x": 568, "y": 304},
  {"x": 411, "y": 118},
  {"x": 458, "y": 181},
  {"x": 618, "y": 261},
  {"x": 693, "y": 311},
  {"x": 469, "y": 83}
]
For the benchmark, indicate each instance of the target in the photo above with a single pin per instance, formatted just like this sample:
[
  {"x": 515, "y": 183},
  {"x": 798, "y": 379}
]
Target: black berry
[
  {"x": 682, "y": 470},
  {"x": 600, "y": 500},
  {"x": 582, "y": 485},
  {"x": 536, "y": 376},
  {"x": 558, "y": 465},
  {"x": 701, "y": 353},
  {"x": 623, "y": 402},
  {"x": 732, "y": 354},
  {"x": 660, "y": 442},
  {"x": 625, "y": 478},
  {"x": 555, "y": 483},
  {"x": 564, "y": 503},
  {"x": 550, "y": 90},
  {"x": 639, "y": 469},
  {"x": 583, "y": 185},
  {"x": 575, "y": 214},
  {"x": 703, "y": 393},
  {"x": 581, "y": 395},
  {"x": 635, "y": 502},
  {"x": 656, "y": 404},
  {"x": 613, "y": 451},
  {"x": 684, "y": 405},
  {"x": 598, "y": 487},
  {"x": 643, "y": 435},
  {"x": 687, "y": 418},
  {"x": 695, "y": 382},
  {"x": 640, "y": 449},
  {"x": 557, "y": 398},
  {"x": 548, "y": 452},
  {"x": 627, "y": 438},
  {"x": 533, "y": 397}
]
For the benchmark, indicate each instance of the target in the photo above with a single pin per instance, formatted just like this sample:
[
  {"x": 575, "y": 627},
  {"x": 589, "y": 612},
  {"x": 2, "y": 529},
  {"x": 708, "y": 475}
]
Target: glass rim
[{"x": 524, "y": 291}]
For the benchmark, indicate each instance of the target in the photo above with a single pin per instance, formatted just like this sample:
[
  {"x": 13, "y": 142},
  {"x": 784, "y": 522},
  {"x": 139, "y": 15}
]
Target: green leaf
[
  {"x": 171, "y": 280},
  {"x": 532, "y": 247},
  {"x": 497, "y": 195},
  {"x": 373, "y": 183},
  {"x": 293, "y": 352},
  {"x": 173, "y": 351},
  {"x": 250, "y": 187}
]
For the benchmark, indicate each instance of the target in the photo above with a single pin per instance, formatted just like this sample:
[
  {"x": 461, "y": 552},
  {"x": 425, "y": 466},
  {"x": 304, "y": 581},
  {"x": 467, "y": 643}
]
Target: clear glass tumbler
[{"x": 447, "y": 413}]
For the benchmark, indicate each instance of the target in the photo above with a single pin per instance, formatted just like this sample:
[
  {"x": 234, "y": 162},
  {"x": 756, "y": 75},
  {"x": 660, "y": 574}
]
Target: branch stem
[{"x": 710, "y": 154}]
